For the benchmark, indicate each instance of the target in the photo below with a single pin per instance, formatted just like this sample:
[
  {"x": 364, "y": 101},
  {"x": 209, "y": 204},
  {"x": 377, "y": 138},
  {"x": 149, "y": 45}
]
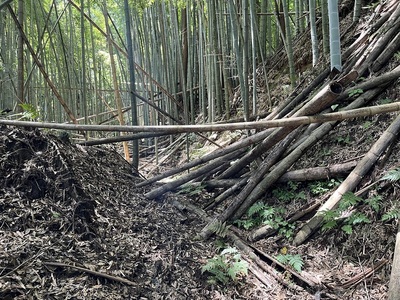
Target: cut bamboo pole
[
  {"x": 308, "y": 174},
  {"x": 351, "y": 182},
  {"x": 207, "y": 231},
  {"x": 175, "y": 129},
  {"x": 136, "y": 136},
  {"x": 318, "y": 173}
]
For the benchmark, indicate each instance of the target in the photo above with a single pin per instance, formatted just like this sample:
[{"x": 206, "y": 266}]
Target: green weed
[
  {"x": 295, "y": 261},
  {"x": 225, "y": 267}
]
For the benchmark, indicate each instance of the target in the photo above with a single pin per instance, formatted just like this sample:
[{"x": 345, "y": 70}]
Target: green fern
[
  {"x": 246, "y": 224},
  {"x": 216, "y": 267},
  {"x": 220, "y": 228},
  {"x": 268, "y": 213},
  {"x": 358, "y": 218},
  {"x": 226, "y": 266},
  {"x": 347, "y": 229},
  {"x": 321, "y": 187},
  {"x": 392, "y": 175},
  {"x": 289, "y": 192},
  {"x": 349, "y": 199},
  {"x": 393, "y": 214},
  {"x": 374, "y": 202},
  {"x": 256, "y": 208},
  {"x": 295, "y": 261},
  {"x": 329, "y": 225},
  {"x": 219, "y": 244},
  {"x": 237, "y": 269}
]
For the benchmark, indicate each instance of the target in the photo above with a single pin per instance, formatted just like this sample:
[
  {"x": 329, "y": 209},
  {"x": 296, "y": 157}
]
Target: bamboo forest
[{"x": 200, "y": 149}]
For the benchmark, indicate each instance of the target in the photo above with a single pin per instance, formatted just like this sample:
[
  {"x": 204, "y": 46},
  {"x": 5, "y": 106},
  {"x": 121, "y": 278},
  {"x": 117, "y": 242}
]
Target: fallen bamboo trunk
[
  {"x": 184, "y": 179},
  {"x": 387, "y": 53},
  {"x": 207, "y": 231},
  {"x": 137, "y": 136},
  {"x": 206, "y": 158},
  {"x": 235, "y": 212},
  {"x": 177, "y": 129},
  {"x": 287, "y": 105},
  {"x": 351, "y": 181},
  {"x": 390, "y": 29},
  {"x": 384, "y": 79},
  {"x": 318, "y": 173},
  {"x": 227, "y": 193},
  {"x": 308, "y": 174},
  {"x": 252, "y": 252}
]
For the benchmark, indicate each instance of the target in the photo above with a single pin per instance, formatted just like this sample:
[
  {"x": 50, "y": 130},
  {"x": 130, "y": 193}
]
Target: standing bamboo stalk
[
  {"x": 41, "y": 68},
  {"x": 117, "y": 95}
]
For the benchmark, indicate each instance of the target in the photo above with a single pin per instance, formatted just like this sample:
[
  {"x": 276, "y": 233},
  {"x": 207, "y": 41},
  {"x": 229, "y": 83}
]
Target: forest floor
[{"x": 62, "y": 203}]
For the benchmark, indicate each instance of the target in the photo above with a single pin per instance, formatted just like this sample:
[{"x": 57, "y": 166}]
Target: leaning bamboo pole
[
  {"x": 323, "y": 99},
  {"x": 238, "y": 206},
  {"x": 193, "y": 175},
  {"x": 351, "y": 182}
]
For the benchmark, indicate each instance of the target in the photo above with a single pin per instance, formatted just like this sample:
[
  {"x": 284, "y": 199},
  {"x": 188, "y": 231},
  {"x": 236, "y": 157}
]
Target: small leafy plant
[
  {"x": 392, "y": 175},
  {"x": 344, "y": 140},
  {"x": 225, "y": 267},
  {"x": 332, "y": 217},
  {"x": 191, "y": 190},
  {"x": 261, "y": 214},
  {"x": 355, "y": 93},
  {"x": 367, "y": 125},
  {"x": 289, "y": 193},
  {"x": 30, "y": 112},
  {"x": 393, "y": 214},
  {"x": 220, "y": 229},
  {"x": 295, "y": 261},
  {"x": 321, "y": 187}
]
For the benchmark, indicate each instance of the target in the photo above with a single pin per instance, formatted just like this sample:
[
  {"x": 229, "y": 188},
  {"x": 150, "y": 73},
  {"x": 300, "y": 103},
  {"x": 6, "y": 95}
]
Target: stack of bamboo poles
[{"x": 375, "y": 46}]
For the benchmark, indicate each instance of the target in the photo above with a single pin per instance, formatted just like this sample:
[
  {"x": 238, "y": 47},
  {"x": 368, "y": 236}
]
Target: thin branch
[{"x": 95, "y": 273}]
